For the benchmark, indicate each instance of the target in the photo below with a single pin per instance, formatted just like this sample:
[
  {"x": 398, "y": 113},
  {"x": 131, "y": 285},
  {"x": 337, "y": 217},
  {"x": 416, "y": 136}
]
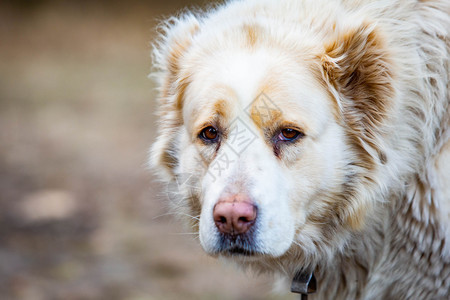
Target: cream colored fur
[{"x": 363, "y": 200}]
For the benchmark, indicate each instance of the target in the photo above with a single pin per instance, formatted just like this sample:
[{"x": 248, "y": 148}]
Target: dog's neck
[{"x": 380, "y": 257}]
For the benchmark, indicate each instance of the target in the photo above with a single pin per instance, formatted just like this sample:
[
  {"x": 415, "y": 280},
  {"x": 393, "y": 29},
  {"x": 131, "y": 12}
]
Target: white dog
[{"x": 313, "y": 136}]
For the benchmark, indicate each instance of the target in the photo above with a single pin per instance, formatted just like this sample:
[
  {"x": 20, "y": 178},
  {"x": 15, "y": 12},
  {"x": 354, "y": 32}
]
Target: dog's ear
[
  {"x": 176, "y": 37},
  {"x": 357, "y": 67}
]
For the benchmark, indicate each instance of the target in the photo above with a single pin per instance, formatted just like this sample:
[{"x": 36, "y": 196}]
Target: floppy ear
[
  {"x": 358, "y": 71},
  {"x": 168, "y": 52},
  {"x": 356, "y": 66}
]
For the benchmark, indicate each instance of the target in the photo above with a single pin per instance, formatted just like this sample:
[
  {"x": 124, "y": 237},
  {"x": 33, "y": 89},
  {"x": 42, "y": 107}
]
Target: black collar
[{"x": 304, "y": 283}]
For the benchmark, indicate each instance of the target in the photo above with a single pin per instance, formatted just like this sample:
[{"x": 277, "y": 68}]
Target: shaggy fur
[{"x": 362, "y": 197}]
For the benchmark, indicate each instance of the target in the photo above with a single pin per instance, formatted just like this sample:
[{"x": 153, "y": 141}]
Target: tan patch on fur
[
  {"x": 180, "y": 92},
  {"x": 218, "y": 113},
  {"x": 264, "y": 118},
  {"x": 253, "y": 33},
  {"x": 263, "y": 110},
  {"x": 167, "y": 159},
  {"x": 223, "y": 109},
  {"x": 356, "y": 219}
]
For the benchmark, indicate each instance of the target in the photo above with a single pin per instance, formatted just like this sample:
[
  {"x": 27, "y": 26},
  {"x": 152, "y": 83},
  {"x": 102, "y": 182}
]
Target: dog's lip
[
  {"x": 239, "y": 257},
  {"x": 236, "y": 250}
]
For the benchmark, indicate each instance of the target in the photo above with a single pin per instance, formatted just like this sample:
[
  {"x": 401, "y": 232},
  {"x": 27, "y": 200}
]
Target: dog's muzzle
[{"x": 235, "y": 217}]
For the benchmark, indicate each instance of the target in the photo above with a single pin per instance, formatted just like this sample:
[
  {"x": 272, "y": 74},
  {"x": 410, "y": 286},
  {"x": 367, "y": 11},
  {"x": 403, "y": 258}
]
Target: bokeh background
[{"x": 80, "y": 216}]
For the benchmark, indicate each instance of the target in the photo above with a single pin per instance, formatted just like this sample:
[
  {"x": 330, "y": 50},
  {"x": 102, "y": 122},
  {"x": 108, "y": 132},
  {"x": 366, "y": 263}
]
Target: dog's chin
[
  {"x": 241, "y": 256},
  {"x": 239, "y": 253},
  {"x": 235, "y": 248}
]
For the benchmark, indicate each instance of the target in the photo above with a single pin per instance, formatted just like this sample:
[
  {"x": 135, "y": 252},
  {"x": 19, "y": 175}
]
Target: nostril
[
  {"x": 222, "y": 219},
  {"x": 244, "y": 220}
]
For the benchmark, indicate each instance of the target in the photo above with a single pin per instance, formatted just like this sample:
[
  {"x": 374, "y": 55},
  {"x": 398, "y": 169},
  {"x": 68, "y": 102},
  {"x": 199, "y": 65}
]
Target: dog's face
[
  {"x": 260, "y": 135},
  {"x": 257, "y": 136}
]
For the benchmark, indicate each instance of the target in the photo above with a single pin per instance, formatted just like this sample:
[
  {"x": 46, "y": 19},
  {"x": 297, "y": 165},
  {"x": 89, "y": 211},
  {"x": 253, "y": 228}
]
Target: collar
[{"x": 304, "y": 283}]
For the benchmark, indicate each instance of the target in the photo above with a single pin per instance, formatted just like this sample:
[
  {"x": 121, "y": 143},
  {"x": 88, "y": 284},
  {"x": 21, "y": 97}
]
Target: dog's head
[{"x": 270, "y": 135}]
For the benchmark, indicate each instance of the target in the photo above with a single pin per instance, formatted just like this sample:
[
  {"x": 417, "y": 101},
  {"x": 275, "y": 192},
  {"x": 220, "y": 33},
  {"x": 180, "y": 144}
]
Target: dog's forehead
[
  {"x": 241, "y": 70},
  {"x": 264, "y": 85}
]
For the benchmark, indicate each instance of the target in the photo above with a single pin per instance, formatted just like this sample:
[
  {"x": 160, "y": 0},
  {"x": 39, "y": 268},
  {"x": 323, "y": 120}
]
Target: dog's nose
[{"x": 234, "y": 217}]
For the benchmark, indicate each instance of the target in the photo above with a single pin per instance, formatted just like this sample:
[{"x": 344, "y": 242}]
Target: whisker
[
  {"x": 188, "y": 215},
  {"x": 162, "y": 215},
  {"x": 177, "y": 213},
  {"x": 296, "y": 243}
]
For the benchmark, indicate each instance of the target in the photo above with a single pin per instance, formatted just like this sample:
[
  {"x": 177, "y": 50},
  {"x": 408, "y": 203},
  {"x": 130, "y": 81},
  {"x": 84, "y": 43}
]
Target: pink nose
[{"x": 234, "y": 217}]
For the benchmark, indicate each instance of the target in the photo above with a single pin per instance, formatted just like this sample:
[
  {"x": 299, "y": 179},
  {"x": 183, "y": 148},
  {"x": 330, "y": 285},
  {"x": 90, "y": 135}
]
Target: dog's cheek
[
  {"x": 277, "y": 217},
  {"x": 323, "y": 193},
  {"x": 319, "y": 170},
  {"x": 190, "y": 174}
]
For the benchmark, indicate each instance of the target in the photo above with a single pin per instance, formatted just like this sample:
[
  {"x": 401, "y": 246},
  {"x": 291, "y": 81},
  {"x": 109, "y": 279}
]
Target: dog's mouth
[
  {"x": 239, "y": 251},
  {"x": 238, "y": 245}
]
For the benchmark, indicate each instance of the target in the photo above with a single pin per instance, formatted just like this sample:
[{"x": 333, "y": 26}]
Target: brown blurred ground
[{"x": 78, "y": 210}]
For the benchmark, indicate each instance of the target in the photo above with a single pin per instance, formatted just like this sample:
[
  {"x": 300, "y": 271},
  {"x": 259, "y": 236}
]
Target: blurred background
[{"x": 80, "y": 216}]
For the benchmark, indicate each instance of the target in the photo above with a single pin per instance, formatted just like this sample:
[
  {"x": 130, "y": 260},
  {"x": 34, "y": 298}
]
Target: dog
[{"x": 312, "y": 136}]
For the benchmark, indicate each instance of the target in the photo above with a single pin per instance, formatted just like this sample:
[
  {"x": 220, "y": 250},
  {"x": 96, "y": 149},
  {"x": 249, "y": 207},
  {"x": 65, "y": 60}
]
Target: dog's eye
[
  {"x": 209, "y": 133},
  {"x": 289, "y": 134}
]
